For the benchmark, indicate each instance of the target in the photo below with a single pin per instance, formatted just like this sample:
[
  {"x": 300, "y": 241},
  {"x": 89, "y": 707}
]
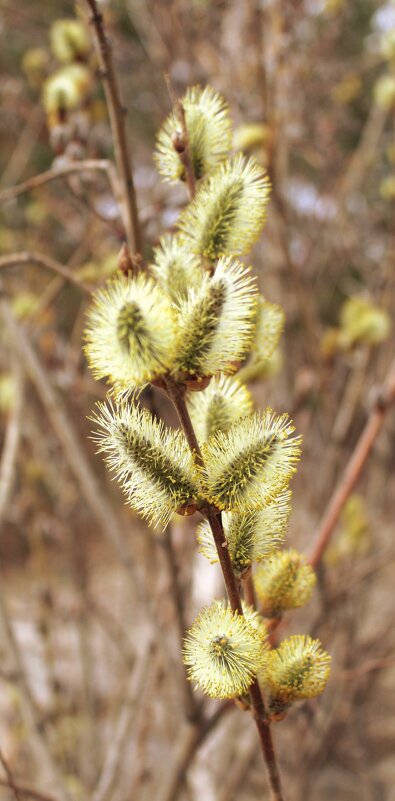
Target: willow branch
[
  {"x": 214, "y": 518},
  {"x": 354, "y": 467},
  {"x": 27, "y": 257},
  {"x": 117, "y": 113}
]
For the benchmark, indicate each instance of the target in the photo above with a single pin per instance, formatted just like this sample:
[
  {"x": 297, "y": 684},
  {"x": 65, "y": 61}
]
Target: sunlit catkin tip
[
  {"x": 215, "y": 324},
  {"x": 209, "y": 133},
  {"x": 298, "y": 669},
  {"x": 130, "y": 332},
  {"x": 249, "y": 465},
  {"x": 224, "y": 651},
  {"x": 176, "y": 269},
  {"x": 228, "y": 211},
  {"x": 69, "y": 40},
  {"x": 152, "y": 463},
  {"x": 252, "y": 536},
  {"x": 284, "y": 581},
  {"x": 269, "y": 327},
  {"x": 219, "y": 406}
]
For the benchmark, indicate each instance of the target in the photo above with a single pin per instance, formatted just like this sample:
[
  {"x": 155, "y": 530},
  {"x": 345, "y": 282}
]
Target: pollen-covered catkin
[
  {"x": 249, "y": 465},
  {"x": 228, "y": 211},
  {"x": 130, "y": 332},
  {"x": 250, "y": 536},
  {"x": 209, "y": 135},
  {"x": 284, "y": 581},
  {"x": 176, "y": 269},
  {"x": 298, "y": 669},
  {"x": 215, "y": 324},
  {"x": 219, "y": 406},
  {"x": 153, "y": 464},
  {"x": 224, "y": 651}
]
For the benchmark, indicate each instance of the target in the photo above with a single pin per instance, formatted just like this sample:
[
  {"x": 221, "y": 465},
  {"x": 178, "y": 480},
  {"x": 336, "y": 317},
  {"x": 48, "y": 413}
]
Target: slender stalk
[
  {"x": 87, "y": 165},
  {"x": 40, "y": 259},
  {"x": 354, "y": 467},
  {"x": 177, "y": 394},
  {"x": 28, "y": 792},
  {"x": 117, "y": 113}
]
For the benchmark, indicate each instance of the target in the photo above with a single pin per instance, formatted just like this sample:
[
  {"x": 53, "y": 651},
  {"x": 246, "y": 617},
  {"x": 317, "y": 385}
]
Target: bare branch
[{"x": 32, "y": 257}]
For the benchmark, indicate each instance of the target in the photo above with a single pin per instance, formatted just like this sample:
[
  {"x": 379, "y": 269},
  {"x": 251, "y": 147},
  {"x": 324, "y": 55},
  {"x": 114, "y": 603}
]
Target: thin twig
[
  {"x": 134, "y": 696},
  {"x": 32, "y": 257},
  {"x": 28, "y": 707},
  {"x": 10, "y": 779},
  {"x": 117, "y": 113},
  {"x": 354, "y": 467},
  {"x": 29, "y": 792},
  {"x": 87, "y": 165}
]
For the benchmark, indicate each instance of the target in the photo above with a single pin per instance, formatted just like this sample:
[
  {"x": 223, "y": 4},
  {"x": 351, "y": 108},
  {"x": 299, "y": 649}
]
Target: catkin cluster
[{"x": 191, "y": 321}]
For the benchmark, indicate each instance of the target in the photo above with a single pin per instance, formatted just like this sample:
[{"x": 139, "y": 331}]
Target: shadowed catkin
[
  {"x": 248, "y": 466},
  {"x": 130, "y": 332},
  {"x": 209, "y": 133},
  {"x": 175, "y": 269},
  {"x": 298, "y": 669},
  {"x": 215, "y": 324},
  {"x": 153, "y": 464},
  {"x": 224, "y": 651},
  {"x": 251, "y": 536},
  {"x": 284, "y": 581},
  {"x": 219, "y": 406},
  {"x": 269, "y": 327},
  {"x": 228, "y": 211}
]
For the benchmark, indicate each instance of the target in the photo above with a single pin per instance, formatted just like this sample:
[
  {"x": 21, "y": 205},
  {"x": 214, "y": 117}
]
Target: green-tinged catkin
[
  {"x": 215, "y": 324},
  {"x": 153, "y": 464},
  {"x": 298, "y": 669},
  {"x": 284, "y": 581},
  {"x": 219, "y": 406},
  {"x": 224, "y": 651},
  {"x": 249, "y": 465},
  {"x": 130, "y": 332},
  {"x": 176, "y": 270},
  {"x": 252, "y": 536},
  {"x": 209, "y": 135},
  {"x": 228, "y": 211}
]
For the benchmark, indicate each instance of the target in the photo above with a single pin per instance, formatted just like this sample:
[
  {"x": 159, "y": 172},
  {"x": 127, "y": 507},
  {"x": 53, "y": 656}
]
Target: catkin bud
[
  {"x": 228, "y": 211},
  {"x": 249, "y": 465},
  {"x": 219, "y": 406},
  {"x": 209, "y": 135},
  {"x": 153, "y": 464},
  {"x": 224, "y": 651},
  {"x": 215, "y": 323},
  {"x": 69, "y": 40},
  {"x": 252, "y": 536},
  {"x": 284, "y": 581},
  {"x": 130, "y": 333},
  {"x": 298, "y": 669}
]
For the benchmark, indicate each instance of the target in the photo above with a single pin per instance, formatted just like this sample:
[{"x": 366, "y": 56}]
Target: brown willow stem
[
  {"x": 117, "y": 113},
  {"x": 354, "y": 467},
  {"x": 213, "y": 515}
]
